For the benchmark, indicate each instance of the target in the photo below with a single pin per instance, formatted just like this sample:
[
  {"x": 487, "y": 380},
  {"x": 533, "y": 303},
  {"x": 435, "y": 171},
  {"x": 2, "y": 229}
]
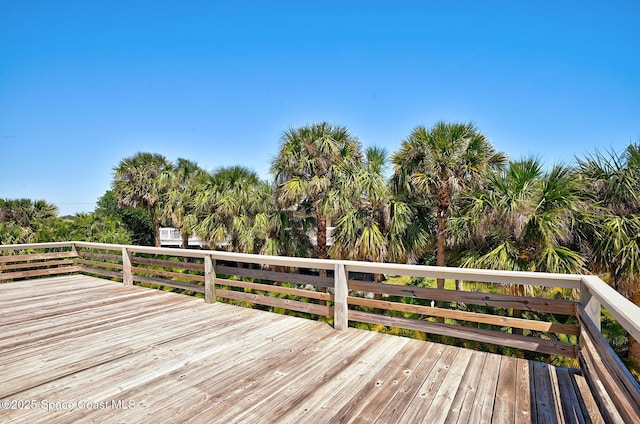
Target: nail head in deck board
[
  {"x": 450, "y": 387},
  {"x": 463, "y": 402},
  {"x": 427, "y": 391},
  {"x": 391, "y": 374}
]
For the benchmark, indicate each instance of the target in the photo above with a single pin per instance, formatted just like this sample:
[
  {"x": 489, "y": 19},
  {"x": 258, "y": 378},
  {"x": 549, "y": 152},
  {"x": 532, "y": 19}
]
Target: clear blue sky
[{"x": 84, "y": 84}]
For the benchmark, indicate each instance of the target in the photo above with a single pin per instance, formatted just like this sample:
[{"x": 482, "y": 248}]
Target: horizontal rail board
[
  {"x": 167, "y": 263},
  {"x": 606, "y": 407},
  {"x": 100, "y": 264},
  {"x": 294, "y": 305},
  {"x": 39, "y": 272},
  {"x": 168, "y": 274},
  {"x": 219, "y": 255},
  {"x": 467, "y": 316},
  {"x": 103, "y": 272},
  {"x": 29, "y": 246},
  {"x": 38, "y": 256},
  {"x": 169, "y": 283},
  {"x": 554, "y": 306},
  {"x": 476, "y": 334},
  {"x": 104, "y": 256},
  {"x": 569, "y": 281},
  {"x": 30, "y": 265},
  {"x": 275, "y": 289},
  {"x": 276, "y": 276}
]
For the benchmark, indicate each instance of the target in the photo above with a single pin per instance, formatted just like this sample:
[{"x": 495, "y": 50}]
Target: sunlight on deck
[{"x": 80, "y": 348}]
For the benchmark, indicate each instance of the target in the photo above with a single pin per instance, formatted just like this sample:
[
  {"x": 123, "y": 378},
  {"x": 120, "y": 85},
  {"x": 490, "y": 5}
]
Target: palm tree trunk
[
  {"x": 321, "y": 241},
  {"x": 185, "y": 242},
  {"x": 185, "y": 238},
  {"x": 442, "y": 203},
  {"x": 321, "y": 237},
  {"x": 156, "y": 226},
  {"x": 517, "y": 290},
  {"x": 459, "y": 285}
]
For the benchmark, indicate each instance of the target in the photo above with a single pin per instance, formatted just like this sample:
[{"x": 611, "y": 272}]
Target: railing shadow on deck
[{"x": 295, "y": 286}]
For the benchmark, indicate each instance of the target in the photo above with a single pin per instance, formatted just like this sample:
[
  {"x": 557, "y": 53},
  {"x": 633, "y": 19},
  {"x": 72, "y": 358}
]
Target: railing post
[
  {"x": 591, "y": 305},
  {"x": 209, "y": 280},
  {"x": 341, "y": 289},
  {"x": 127, "y": 275},
  {"x": 74, "y": 253}
]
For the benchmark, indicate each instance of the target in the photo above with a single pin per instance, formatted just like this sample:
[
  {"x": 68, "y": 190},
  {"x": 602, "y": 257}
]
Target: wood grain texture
[
  {"x": 16, "y": 275},
  {"x": 524, "y": 303},
  {"x": 533, "y": 344},
  {"x": 265, "y": 274},
  {"x": 621, "y": 386},
  {"x": 502, "y": 321},
  {"x": 274, "y": 289},
  {"x": 75, "y": 338},
  {"x": 37, "y": 257}
]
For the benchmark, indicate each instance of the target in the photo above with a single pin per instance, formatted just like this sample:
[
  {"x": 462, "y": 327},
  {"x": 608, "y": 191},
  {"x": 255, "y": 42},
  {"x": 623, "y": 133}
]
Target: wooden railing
[{"x": 568, "y": 327}]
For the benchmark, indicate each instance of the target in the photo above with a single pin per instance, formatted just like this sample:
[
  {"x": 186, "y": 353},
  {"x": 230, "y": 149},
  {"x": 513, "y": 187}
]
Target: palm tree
[
  {"x": 440, "y": 162},
  {"x": 26, "y": 212},
  {"x": 523, "y": 219},
  {"x": 140, "y": 180},
  {"x": 280, "y": 231},
  {"x": 309, "y": 168},
  {"x": 181, "y": 183},
  {"x": 12, "y": 233},
  {"x": 378, "y": 226},
  {"x": 225, "y": 203},
  {"x": 612, "y": 224},
  {"x": 22, "y": 219}
]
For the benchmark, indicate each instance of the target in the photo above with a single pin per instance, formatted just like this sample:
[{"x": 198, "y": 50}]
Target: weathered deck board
[{"x": 83, "y": 345}]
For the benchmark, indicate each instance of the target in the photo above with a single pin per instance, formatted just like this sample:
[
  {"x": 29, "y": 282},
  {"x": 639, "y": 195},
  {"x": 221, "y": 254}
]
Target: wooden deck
[{"x": 81, "y": 349}]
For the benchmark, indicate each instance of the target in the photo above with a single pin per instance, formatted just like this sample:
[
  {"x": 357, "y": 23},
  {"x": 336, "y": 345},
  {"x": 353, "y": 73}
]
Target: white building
[{"x": 171, "y": 237}]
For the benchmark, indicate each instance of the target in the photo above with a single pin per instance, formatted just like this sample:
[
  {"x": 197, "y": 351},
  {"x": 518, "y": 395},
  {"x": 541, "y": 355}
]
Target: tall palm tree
[
  {"x": 441, "y": 161},
  {"x": 378, "y": 226},
  {"x": 309, "y": 168},
  {"x": 181, "y": 183},
  {"x": 612, "y": 224},
  {"x": 140, "y": 180}
]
